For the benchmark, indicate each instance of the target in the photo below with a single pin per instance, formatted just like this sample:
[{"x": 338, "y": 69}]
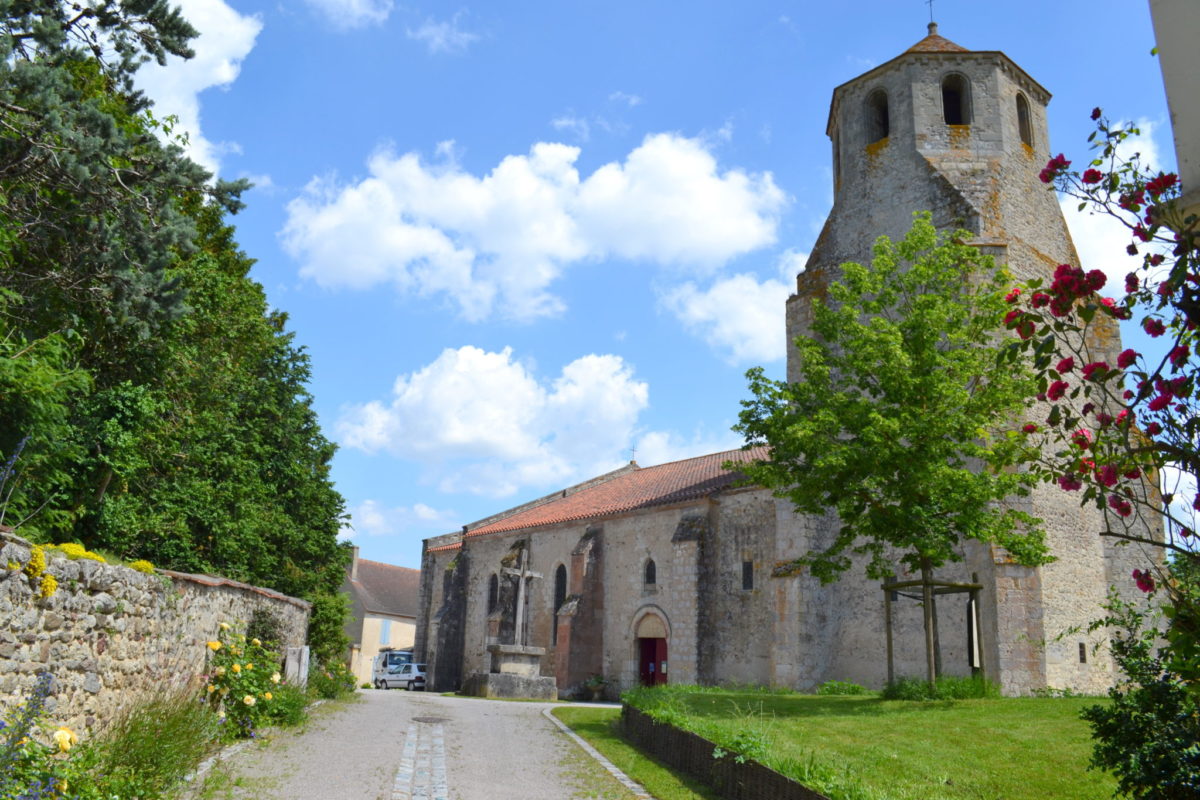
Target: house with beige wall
[{"x": 383, "y": 604}]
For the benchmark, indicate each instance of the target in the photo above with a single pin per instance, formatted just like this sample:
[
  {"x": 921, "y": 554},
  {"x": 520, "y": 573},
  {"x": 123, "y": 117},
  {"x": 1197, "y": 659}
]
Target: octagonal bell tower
[{"x": 961, "y": 133}]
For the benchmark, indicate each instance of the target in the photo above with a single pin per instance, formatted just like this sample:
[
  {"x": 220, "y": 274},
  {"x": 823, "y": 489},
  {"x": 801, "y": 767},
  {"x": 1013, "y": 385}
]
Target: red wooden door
[{"x": 652, "y": 661}]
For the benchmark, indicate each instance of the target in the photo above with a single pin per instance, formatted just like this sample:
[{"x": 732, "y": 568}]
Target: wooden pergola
[{"x": 930, "y": 590}]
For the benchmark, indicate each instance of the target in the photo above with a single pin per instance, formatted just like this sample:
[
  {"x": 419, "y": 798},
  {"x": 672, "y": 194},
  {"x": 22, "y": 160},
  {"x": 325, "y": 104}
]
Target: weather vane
[{"x": 930, "y": 4}]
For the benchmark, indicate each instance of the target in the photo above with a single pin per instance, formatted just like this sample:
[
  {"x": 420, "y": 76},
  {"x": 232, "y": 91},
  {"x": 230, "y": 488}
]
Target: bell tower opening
[
  {"x": 956, "y": 100},
  {"x": 878, "y": 126}
]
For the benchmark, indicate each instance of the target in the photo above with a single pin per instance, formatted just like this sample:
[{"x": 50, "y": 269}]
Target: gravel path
[{"x": 412, "y": 746}]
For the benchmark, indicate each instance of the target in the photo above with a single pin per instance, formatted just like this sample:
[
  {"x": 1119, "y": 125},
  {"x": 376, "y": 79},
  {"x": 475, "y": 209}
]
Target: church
[{"x": 664, "y": 573}]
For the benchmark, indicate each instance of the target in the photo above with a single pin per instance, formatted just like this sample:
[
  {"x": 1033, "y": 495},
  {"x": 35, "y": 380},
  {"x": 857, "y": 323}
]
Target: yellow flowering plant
[{"x": 234, "y": 685}]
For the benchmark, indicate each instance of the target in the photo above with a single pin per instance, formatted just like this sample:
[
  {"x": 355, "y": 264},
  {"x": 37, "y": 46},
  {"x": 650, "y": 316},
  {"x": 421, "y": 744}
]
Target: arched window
[
  {"x": 493, "y": 592},
  {"x": 956, "y": 100},
  {"x": 651, "y": 572},
  {"x": 1023, "y": 125},
  {"x": 877, "y": 116},
  {"x": 560, "y": 597}
]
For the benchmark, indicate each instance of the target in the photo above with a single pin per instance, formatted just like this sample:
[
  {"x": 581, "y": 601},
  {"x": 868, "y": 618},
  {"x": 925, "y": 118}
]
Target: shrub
[
  {"x": 142, "y": 565},
  {"x": 243, "y": 677},
  {"x": 947, "y": 687},
  {"x": 332, "y": 682},
  {"x": 288, "y": 707},
  {"x": 841, "y": 688},
  {"x": 1149, "y": 735}
]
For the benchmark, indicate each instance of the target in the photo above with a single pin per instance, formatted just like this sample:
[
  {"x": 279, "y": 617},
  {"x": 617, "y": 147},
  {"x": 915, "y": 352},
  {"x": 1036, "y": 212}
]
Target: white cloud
[
  {"x": 443, "y": 37},
  {"x": 499, "y": 241},
  {"x": 740, "y": 317},
  {"x": 1100, "y": 239},
  {"x": 226, "y": 38},
  {"x": 347, "y": 15},
  {"x": 484, "y": 423},
  {"x": 375, "y": 519},
  {"x": 575, "y": 125},
  {"x": 659, "y": 447},
  {"x": 630, "y": 100}
]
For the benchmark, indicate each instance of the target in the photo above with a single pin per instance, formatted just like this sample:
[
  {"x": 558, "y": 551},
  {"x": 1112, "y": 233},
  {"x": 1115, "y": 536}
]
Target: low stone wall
[
  {"x": 110, "y": 635},
  {"x": 693, "y": 755}
]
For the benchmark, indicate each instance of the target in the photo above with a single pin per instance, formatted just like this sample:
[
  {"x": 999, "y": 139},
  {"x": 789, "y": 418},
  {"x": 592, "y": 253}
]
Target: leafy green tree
[{"x": 893, "y": 423}]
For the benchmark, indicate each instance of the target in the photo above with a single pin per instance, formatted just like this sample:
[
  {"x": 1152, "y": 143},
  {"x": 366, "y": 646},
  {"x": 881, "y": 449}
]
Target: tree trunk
[{"x": 927, "y": 607}]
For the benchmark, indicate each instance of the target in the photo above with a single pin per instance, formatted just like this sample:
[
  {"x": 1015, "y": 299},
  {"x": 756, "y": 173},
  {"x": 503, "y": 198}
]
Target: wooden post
[
  {"x": 887, "y": 626},
  {"x": 927, "y": 604}
]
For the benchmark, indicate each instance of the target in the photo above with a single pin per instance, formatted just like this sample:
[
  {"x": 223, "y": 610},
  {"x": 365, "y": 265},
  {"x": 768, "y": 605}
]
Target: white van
[{"x": 386, "y": 662}]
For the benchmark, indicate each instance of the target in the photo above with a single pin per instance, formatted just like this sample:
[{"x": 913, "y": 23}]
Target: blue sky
[{"x": 520, "y": 239}]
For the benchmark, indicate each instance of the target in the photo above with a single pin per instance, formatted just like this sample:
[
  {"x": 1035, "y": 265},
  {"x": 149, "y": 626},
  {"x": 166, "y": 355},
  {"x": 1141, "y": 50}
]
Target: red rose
[
  {"x": 1057, "y": 390},
  {"x": 1039, "y": 299},
  {"x": 1070, "y": 483},
  {"x": 1066, "y": 365},
  {"x": 1126, "y": 359},
  {"x": 1160, "y": 402},
  {"x": 1029, "y": 427},
  {"x": 1144, "y": 580},
  {"x": 1131, "y": 283},
  {"x": 1096, "y": 113},
  {"x": 1093, "y": 176},
  {"x": 1107, "y": 475},
  {"x": 1012, "y": 296},
  {"x": 1162, "y": 183},
  {"x": 1154, "y": 327},
  {"x": 1153, "y": 429}
]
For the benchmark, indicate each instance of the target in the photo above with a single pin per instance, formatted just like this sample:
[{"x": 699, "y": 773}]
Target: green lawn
[{"x": 865, "y": 748}]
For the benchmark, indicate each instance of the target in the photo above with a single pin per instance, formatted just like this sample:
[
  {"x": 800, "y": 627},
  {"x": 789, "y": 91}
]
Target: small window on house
[
  {"x": 956, "y": 100},
  {"x": 651, "y": 576},
  {"x": 1082, "y": 652},
  {"x": 560, "y": 597},
  {"x": 877, "y": 116},
  {"x": 747, "y": 575},
  {"x": 385, "y": 631},
  {"x": 837, "y": 162},
  {"x": 493, "y": 592},
  {"x": 1023, "y": 125}
]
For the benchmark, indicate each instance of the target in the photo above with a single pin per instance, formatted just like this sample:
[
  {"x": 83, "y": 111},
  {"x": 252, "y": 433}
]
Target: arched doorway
[{"x": 651, "y": 633}]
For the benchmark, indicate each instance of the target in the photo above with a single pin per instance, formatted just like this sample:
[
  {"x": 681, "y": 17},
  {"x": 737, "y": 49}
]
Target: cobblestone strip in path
[{"x": 422, "y": 771}]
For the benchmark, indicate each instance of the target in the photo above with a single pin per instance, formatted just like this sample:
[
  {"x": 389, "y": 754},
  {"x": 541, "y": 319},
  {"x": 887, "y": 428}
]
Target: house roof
[
  {"x": 386, "y": 589},
  {"x": 627, "y": 490}
]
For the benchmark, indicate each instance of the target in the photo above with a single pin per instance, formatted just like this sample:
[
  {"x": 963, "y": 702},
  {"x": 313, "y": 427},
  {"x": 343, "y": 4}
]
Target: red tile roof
[
  {"x": 674, "y": 482},
  {"x": 936, "y": 44}
]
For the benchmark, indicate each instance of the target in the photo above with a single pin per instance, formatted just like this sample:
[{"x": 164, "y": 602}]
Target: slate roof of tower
[
  {"x": 387, "y": 588},
  {"x": 629, "y": 490},
  {"x": 933, "y": 43}
]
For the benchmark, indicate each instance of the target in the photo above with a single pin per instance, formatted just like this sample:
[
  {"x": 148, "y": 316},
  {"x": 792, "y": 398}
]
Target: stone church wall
[
  {"x": 111, "y": 635},
  {"x": 733, "y": 618}
]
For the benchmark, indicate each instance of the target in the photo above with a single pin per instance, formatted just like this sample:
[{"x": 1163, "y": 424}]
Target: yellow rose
[
  {"x": 266, "y": 695},
  {"x": 64, "y": 738},
  {"x": 249, "y": 666},
  {"x": 214, "y": 646},
  {"x": 275, "y": 677},
  {"x": 211, "y": 688},
  {"x": 236, "y": 668},
  {"x": 220, "y": 671},
  {"x": 249, "y": 700},
  {"x": 224, "y": 691},
  {"x": 224, "y": 626},
  {"x": 256, "y": 642}
]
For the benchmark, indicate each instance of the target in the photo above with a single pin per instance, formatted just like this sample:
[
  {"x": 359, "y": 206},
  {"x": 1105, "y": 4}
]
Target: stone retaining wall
[{"x": 110, "y": 635}]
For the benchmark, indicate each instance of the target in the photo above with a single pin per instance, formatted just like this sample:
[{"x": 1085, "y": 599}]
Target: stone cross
[{"x": 521, "y": 575}]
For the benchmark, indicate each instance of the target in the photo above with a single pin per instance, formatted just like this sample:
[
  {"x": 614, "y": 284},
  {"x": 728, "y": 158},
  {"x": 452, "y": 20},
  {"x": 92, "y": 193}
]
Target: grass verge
[
  {"x": 868, "y": 748},
  {"x": 598, "y": 727}
]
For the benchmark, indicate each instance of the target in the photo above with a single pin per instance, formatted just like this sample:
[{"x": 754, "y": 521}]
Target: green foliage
[
  {"x": 288, "y": 707},
  {"x": 947, "y": 687},
  {"x": 841, "y": 688},
  {"x": 243, "y": 677},
  {"x": 327, "y": 628},
  {"x": 266, "y": 626},
  {"x": 1149, "y": 736},
  {"x": 331, "y": 682},
  {"x": 151, "y": 747},
  {"x": 159, "y": 405},
  {"x": 891, "y": 425}
]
